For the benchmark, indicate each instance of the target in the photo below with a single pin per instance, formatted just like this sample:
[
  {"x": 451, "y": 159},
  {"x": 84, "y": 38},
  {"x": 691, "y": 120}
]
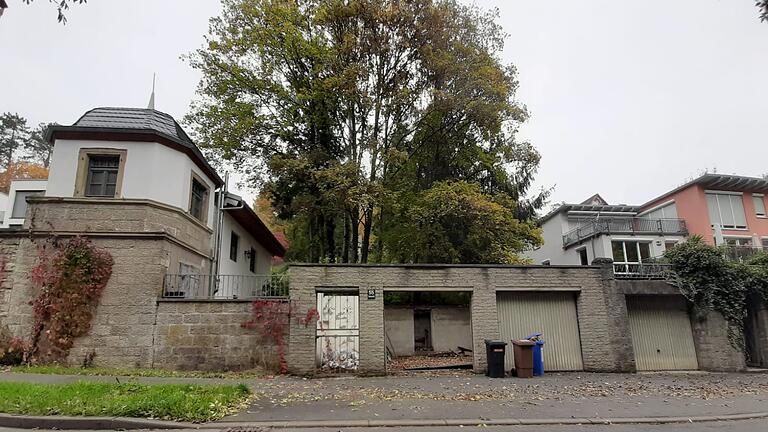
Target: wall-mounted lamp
[{"x": 247, "y": 254}]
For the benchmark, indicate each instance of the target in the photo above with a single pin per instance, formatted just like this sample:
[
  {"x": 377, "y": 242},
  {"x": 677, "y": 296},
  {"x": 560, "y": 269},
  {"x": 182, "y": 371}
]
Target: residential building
[
  {"x": 143, "y": 156},
  {"x": 723, "y": 209},
  {"x": 14, "y": 204}
]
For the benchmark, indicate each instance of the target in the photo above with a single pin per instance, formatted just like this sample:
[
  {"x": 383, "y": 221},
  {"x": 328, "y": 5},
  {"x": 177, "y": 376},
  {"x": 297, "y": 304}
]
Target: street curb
[
  {"x": 486, "y": 422},
  {"x": 87, "y": 423},
  {"x": 96, "y": 423}
]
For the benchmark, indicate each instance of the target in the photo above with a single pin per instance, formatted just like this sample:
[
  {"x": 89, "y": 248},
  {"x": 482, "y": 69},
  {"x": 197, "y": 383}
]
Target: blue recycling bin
[{"x": 538, "y": 355}]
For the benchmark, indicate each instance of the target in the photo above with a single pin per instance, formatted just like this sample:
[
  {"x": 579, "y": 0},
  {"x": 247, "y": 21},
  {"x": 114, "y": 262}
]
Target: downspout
[{"x": 215, "y": 264}]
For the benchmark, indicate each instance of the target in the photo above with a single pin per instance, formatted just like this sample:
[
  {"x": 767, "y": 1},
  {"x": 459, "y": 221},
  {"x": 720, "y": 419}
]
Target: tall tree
[
  {"x": 14, "y": 133},
  {"x": 342, "y": 107},
  {"x": 40, "y": 149}
]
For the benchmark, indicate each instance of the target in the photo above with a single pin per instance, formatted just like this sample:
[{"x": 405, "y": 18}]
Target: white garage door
[
  {"x": 661, "y": 333},
  {"x": 553, "y": 315}
]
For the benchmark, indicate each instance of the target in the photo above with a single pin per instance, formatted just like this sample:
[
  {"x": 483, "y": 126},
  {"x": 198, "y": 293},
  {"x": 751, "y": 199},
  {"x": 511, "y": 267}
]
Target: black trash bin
[{"x": 494, "y": 350}]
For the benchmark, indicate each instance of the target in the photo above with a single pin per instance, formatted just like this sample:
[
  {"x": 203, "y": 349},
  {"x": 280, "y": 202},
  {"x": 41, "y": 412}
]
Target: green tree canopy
[{"x": 347, "y": 112}]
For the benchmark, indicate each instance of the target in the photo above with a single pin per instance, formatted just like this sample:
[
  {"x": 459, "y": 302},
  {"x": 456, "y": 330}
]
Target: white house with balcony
[
  {"x": 577, "y": 234},
  {"x": 142, "y": 157}
]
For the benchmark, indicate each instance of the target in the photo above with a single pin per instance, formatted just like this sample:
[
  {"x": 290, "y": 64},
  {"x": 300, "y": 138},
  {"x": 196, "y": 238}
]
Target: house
[
  {"x": 14, "y": 204},
  {"x": 580, "y": 233},
  {"x": 129, "y": 154},
  {"x": 723, "y": 209}
]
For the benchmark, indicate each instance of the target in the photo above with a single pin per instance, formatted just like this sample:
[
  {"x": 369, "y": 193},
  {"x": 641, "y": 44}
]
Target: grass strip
[
  {"x": 100, "y": 371},
  {"x": 192, "y": 403}
]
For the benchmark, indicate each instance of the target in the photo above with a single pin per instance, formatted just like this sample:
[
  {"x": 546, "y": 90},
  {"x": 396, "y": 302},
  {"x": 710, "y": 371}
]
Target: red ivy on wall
[
  {"x": 71, "y": 275},
  {"x": 271, "y": 318}
]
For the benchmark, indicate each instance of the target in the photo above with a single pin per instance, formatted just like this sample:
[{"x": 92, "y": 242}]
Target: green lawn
[
  {"x": 99, "y": 371},
  {"x": 195, "y": 403}
]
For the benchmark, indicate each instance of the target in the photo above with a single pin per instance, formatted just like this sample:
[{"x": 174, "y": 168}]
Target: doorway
[{"x": 422, "y": 330}]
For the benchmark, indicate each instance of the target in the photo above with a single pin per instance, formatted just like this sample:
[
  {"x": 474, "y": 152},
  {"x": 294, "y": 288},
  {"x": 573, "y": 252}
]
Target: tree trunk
[
  {"x": 367, "y": 223},
  {"x": 330, "y": 239},
  {"x": 354, "y": 219},
  {"x": 345, "y": 249}
]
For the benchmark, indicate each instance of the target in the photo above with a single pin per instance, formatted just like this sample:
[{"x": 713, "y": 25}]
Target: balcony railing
[
  {"x": 743, "y": 253},
  {"x": 203, "y": 286},
  {"x": 626, "y": 225},
  {"x": 646, "y": 270}
]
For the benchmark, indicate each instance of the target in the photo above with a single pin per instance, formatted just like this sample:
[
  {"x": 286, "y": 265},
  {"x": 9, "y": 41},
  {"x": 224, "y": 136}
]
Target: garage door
[
  {"x": 661, "y": 333},
  {"x": 553, "y": 315}
]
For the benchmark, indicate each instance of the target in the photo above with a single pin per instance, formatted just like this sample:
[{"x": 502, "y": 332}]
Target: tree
[
  {"x": 763, "y": 6},
  {"x": 454, "y": 222},
  {"x": 20, "y": 171},
  {"x": 61, "y": 7},
  {"x": 14, "y": 133},
  {"x": 39, "y": 148},
  {"x": 341, "y": 108}
]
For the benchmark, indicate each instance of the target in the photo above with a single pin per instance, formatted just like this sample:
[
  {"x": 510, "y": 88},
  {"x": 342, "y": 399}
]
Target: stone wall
[
  {"x": 208, "y": 335},
  {"x": 713, "y": 349},
  {"x": 600, "y": 318}
]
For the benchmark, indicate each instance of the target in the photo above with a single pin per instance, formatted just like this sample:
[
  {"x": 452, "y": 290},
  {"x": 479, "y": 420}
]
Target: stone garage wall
[{"x": 601, "y": 309}]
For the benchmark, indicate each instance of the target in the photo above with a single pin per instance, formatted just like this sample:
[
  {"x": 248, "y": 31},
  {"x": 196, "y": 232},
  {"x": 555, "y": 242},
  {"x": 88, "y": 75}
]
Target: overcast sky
[{"x": 627, "y": 98}]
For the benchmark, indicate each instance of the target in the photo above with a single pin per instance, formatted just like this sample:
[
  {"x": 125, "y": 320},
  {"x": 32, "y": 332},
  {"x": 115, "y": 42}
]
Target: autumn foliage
[
  {"x": 21, "y": 171},
  {"x": 271, "y": 318},
  {"x": 71, "y": 275}
]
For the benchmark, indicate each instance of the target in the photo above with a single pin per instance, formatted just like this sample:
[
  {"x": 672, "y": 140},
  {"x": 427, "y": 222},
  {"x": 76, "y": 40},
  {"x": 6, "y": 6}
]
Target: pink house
[{"x": 721, "y": 208}]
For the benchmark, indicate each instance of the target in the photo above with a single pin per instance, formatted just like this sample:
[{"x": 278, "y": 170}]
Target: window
[
  {"x": 669, "y": 244},
  {"x": 583, "y": 258},
  {"x": 102, "y": 175},
  {"x": 198, "y": 200},
  {"x": 738, "y": 241},
  {"x": 628, "y": 254},
  {"x": 759, "y": 201},
  {"x": 233, "y": 246},
  {"x": 727, "y": 210},
  {"x": 765, "y": 243},
  {"x": 20, "y": 203},
  {"x": 668, "y": 211},
  {"x": 100, "y": 172},
  {"x": 252, "y": 260}
]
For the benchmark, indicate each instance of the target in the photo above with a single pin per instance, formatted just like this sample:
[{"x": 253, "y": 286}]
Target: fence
[
  {"x": 205, "y": 286},
  {"x": 650, "y": 270},
  {"x": 627, "y": 225}
]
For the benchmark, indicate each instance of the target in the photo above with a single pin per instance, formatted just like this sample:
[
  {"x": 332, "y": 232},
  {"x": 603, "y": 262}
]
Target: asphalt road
[{"x": 734, "y": 426}]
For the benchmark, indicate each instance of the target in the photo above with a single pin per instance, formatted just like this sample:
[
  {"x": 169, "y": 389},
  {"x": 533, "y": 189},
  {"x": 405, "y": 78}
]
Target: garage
[
  {"x": 661, "y": 333},
  {"x": 551, "y": 313}
]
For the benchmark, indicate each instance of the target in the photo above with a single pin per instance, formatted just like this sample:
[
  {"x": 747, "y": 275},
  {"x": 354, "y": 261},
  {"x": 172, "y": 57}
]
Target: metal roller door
[
  {"x": 551, "y": 313},
  {"x": 661, "y": 333}
]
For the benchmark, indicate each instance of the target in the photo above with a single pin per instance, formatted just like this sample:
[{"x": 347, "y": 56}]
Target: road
[{"x": 733, "y": 426}]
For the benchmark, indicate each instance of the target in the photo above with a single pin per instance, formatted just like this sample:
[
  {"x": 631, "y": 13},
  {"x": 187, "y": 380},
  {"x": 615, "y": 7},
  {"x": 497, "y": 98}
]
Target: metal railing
[
  {"x": 743, "y": 253},
  {"x": 644, "y": 270},
  {"x": 205, "y": 286},
  {"x": 624, "y": 225}
]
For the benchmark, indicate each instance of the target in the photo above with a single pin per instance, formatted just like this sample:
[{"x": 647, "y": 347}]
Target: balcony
[
  {"x": 222, "y": 287},
  {"x": 623, "y": 225},
  {"x": 645, "y": 271}
]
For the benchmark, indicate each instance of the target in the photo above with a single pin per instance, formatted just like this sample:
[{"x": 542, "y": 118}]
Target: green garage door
[
  {"x": 661, "y": 333},
  {"x": 551, "y": 313}
]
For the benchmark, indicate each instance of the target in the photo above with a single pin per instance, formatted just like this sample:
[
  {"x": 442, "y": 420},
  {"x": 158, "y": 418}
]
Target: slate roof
[{"x": 132, "y": 123}]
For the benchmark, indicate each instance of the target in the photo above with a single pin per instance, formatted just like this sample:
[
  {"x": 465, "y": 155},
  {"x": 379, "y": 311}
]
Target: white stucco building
[
  {"x": 143, "y": 156},
  {"x": 577, "y": 234}
]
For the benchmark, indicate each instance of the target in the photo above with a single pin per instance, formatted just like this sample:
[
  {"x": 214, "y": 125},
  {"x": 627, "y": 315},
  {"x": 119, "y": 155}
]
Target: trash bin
[
  {"x": 495, "y": 350},
  {"x": 523, "y": 358},
  {"x": 538, "y": 354}
]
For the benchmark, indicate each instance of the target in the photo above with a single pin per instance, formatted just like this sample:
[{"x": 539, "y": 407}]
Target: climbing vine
[
  {"x": 71, "y": 275},
  {"x": 271, "y": 317},
  {"x": 710, "y": 281}
]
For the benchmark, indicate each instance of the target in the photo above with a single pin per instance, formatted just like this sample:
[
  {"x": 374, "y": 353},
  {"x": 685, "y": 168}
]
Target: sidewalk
[
  {"x": 464, "y": 396},
  {"x": 430, "y": 397}
]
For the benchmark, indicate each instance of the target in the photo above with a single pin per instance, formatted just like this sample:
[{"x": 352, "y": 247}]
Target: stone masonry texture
[
  {"x": 600, "y": 307},
  {"x": 132, "y": 327}
]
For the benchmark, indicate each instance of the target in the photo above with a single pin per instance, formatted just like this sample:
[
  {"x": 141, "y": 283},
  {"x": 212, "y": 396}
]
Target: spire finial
[{"x": 151, "y": 104}]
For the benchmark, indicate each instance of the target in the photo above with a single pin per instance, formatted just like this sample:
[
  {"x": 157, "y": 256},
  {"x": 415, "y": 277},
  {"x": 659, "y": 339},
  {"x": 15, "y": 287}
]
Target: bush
[{"x": 12, "y": 349}]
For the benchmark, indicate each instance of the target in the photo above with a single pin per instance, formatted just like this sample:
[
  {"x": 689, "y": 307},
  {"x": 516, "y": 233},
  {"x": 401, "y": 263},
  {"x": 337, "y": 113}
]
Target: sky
[{"x": 627, "y": 99}]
